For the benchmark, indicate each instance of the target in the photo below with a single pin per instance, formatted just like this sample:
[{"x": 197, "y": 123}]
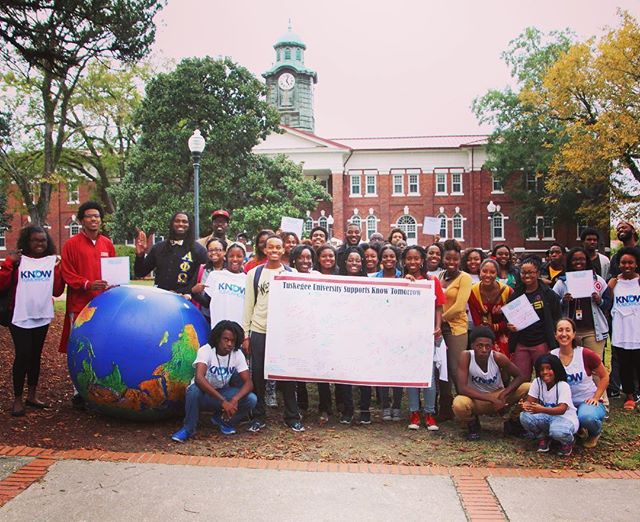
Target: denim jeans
[
  {"x": 544, "y": 425},
  {"x": 197, "y": 400},
  {"x": 591, "y": 416}
]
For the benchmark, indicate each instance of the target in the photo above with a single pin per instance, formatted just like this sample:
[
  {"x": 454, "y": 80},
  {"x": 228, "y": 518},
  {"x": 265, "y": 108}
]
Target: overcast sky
[{"x": 403, "y": 68}]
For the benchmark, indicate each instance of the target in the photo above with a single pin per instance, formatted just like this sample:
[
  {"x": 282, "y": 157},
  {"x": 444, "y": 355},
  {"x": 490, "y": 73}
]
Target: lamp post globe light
[
  {"x": 491, "y": 209},
  {"x": 196, "y": 146}
]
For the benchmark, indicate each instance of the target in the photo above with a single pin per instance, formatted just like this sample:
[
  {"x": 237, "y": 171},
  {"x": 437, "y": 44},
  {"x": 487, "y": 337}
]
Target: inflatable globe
[{"x": 131, "y": 351}]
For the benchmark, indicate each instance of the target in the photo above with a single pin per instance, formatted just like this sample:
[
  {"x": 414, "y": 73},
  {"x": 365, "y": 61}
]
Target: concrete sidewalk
[{"x": 75, "y": 490}]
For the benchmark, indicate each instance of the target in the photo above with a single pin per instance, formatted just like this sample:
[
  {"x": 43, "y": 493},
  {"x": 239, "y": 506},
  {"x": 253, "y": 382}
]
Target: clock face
[{"x": 286, "y": 81}]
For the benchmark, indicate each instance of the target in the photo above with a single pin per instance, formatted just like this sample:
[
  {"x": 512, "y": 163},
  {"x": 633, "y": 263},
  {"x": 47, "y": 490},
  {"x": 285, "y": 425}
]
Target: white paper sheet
[
  {"x": 431, "y": 226},
  {"x": 115, "y": 270},
  {"x": 580, "y": 283},
  {"x": 520, "y": 313},
  {"x": 289, "y": 224}
]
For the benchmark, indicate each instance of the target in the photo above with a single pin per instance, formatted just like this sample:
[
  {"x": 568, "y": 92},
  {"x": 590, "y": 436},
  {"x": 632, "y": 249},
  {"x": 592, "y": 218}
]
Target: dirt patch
[{"x": 62, "y": 427}]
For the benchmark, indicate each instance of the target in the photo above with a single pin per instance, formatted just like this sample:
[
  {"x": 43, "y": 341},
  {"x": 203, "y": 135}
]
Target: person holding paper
[
  {"x": 435, "y": 253},
  {"x": 175, "y": 260},
  {"x": 480, "y": 384},
  {"x": 537, "y": 339},
  {"x": 31, "y": 275},
  {"x": 587, "y": 312},
  {"x": 457, "y": 289}
]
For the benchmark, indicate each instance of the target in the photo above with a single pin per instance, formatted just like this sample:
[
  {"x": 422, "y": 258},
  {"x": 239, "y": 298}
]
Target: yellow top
[{"x": 455, "y": 307}]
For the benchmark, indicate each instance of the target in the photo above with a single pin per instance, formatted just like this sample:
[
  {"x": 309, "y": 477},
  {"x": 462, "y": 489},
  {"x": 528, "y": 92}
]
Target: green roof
[
  {"x": 290, "y": 64},
  {"x": 289, "y": 38}
]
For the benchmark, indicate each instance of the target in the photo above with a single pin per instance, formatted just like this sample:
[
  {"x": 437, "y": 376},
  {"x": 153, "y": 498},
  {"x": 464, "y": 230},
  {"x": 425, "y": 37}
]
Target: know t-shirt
[
  {"x": 560, "y": 393},
  {"x": 220, "y": 368}
]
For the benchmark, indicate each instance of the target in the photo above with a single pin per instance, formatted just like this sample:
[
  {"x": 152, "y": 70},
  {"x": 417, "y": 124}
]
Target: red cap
[{"x": 220, "y": 213}]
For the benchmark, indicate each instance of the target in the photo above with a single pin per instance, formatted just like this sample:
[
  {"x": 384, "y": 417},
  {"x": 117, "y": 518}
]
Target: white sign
[
  {"x": 115, "y": 270},
  {"x": 289, "y": 224},
  {"x": 520, "y": 313},
  {"x": 227, "y": 296},
  {"x": 352, "y": 330},
  {"x": 580, "y": 283},
  {"x": 431, "y": 226}
]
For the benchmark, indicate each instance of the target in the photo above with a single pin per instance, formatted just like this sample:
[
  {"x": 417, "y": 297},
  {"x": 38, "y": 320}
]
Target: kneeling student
[
  {"x": 480, "y": 384},
  {"x": 211, "y": 389}
]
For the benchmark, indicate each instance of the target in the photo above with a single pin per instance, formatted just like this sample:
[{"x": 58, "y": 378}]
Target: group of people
[{"x": 489, "y": 361}]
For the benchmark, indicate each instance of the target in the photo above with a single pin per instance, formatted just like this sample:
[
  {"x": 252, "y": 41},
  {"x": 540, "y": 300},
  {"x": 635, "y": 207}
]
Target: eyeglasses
[{"x": 215, "y": 250}]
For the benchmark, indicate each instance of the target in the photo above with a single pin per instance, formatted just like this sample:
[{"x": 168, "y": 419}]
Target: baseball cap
[{"x": 220, "y": 213}]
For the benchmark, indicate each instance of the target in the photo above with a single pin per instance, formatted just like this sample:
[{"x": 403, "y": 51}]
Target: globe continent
[{"x": 131, "y": 352}]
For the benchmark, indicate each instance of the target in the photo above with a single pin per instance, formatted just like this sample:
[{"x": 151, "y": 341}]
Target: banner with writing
[{"x": 353, "y": 330}]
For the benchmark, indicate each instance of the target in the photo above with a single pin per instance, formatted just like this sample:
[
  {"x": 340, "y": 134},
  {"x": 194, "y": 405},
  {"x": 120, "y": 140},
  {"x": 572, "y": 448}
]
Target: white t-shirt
[
  {"x": 220, "y": 368},
  {"x": 558, "y": 394},
  {"x": 34, "y": 304},
  {"x": 625, "y": 314},
  {"x": 226, "y": 290}
]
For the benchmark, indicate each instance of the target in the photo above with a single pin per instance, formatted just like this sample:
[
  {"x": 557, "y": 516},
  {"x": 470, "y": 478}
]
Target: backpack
[{"x": 256, "y": 280}]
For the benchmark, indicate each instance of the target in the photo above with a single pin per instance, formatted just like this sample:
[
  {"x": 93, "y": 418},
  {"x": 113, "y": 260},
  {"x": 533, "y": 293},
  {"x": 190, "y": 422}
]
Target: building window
[
  {"x": 547, "y": 228},
  {"x": 371, "y": 184},
  {"x": 498, "y": 226},
  {"x": 414, "y": 184},
  {"x": 299, "y": 54},
  {"x": 322, "y": 222},
  {"x": 531, "y": 182},
  {"x": 73, "y": 192},
  {"x": 580, "y": 228},
  {"x": 278, "y": 55},
  {"x": 372, "y": 225},
  {"x": 398, "y": 184},
  {"x": 355, "y": 185},
  {"x": 409, "y": 226},
  {"x": 3, "y": 240},
  {"x": 456, "y": 182},
  {"x": 443, "y": 226},
  {"x": 74, "y": 228},
  {"x": 287, "y": 54},
  {"x": 496, "y": 184},
  {"x": 457, "y": 226},
  {"x": 441, "y": 183},
  {"x": 308, "y": 225},
  {"x": 355, "y": 220}
]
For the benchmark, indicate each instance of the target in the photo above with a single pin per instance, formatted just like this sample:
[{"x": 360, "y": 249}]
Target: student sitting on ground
[
  {"x": 211, "y": 389},
  {"x": 480, "y": 384},
  {"x": 549, "y": 413}
]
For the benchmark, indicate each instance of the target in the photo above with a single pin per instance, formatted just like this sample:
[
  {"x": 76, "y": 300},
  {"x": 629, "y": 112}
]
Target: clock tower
[{"x": 290, "y": 83}]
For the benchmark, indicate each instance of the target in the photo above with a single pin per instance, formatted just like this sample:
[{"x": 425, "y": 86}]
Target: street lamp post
[
  {"x": 196, "y": 146},
  {"x": 491, "y": 209}
]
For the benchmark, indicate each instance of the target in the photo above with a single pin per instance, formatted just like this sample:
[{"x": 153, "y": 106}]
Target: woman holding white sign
[
  {"x": 30, "y": 275},
  {"x": 592, "y": 328}
]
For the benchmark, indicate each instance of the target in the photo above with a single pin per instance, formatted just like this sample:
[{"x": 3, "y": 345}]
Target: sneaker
[
  {"x": 613, "y": 393},
  {"x": 414, "y": 421},
  {"x": 565, "y": 450},
  {"x": 543, "y": 445},
  {"x": 430, "y": 422},
  {"x": 592, "y": 441},
  {"x": 386, "y": 414},
  {"x": 182, "y": 435},
  {"x": 365, "y": 417},
  {"x": 396, "y": 415},
  {"x": 296, "y": 426},
  {"x": 224, "y": 427},
  {"x": 256, "y": 426},
  {"x": 629, "y": 404},
  {"x": 346, "y": 419},
  {"x": 582, "y": 434},
  {"x": 473, "y": 428}
]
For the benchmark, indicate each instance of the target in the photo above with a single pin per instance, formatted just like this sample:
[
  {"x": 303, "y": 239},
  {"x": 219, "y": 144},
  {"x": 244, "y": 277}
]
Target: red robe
[{"x": 81, "y": 266}]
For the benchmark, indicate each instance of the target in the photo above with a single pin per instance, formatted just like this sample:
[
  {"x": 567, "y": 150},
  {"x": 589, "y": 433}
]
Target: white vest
[
  {"x": 34, "y": 304},
  {"x": 581, "y": 384},
  {"x": 626, "y": 314},
  {"x": 488, "y": 381}
]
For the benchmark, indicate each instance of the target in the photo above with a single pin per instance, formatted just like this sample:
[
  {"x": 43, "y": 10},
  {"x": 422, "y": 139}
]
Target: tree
[
  {"x": 226, "y": 102},
  {"x": 48, "y": 44},
  {"x": 526, "y": 138},
  {"x": 101, "y": 121},
  {"x": 594, "y": 90}
]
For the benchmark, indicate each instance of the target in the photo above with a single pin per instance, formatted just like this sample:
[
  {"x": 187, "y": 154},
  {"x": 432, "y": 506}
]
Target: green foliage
[
  {"x": 525, "y": 138},
  {"x": 226, "y": 102},
  {"x": 128, "y": 251}
]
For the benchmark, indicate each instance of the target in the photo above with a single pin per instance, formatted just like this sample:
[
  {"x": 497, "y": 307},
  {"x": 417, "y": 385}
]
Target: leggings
[{"x": 28, "y": 343}]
